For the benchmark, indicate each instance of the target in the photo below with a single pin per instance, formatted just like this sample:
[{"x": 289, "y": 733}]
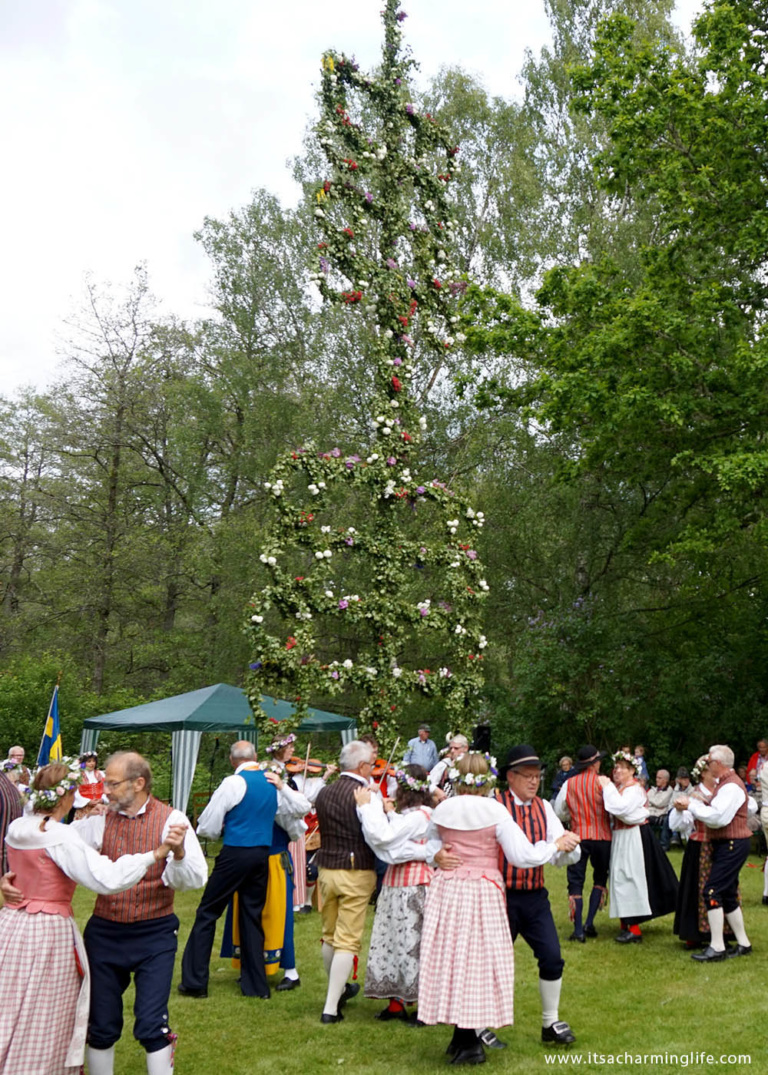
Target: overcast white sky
[{"x": 123, "y": 123}]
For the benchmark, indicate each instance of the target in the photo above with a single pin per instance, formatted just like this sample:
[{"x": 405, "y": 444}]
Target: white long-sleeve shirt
[
  {"x": 392, "y": 837},
  {"x": 179, "y": 874},
  {"x": 468, "y": 812},
  {"x": 554, "y": 831},
  {"x": 75, "y": 858},
  {"x": 627, "y": 805},
  {"x": 722, "y": 806}
]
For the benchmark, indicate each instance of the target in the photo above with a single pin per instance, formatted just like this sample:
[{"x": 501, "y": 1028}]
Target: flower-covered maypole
[{"x": 375, "y": 587}]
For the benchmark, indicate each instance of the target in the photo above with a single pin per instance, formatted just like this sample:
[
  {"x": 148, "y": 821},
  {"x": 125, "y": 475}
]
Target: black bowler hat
[
  {"x": 520, "y": 757},
  {"x": 587, "y": 755}
]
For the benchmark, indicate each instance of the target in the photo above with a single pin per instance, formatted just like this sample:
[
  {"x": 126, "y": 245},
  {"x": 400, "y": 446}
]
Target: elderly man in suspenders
[
  {"x": 528, "y": 909},
  {"x": 581, "y": 799},
  {"x": 729, "y": 835}
]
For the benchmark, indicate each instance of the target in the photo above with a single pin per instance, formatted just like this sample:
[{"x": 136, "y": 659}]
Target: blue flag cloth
[{"x": 50, "y": 747}]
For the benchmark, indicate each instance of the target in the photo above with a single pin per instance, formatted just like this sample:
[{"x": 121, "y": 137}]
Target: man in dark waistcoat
[{"x": 346, "y": 874}]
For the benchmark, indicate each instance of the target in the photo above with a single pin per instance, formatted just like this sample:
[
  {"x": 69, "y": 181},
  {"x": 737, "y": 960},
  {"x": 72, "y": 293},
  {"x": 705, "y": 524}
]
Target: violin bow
[{"x": 389, "y": 762}]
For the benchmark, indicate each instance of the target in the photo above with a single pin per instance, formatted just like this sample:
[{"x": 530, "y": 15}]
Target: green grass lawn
[{"x": 648, "y": 998}]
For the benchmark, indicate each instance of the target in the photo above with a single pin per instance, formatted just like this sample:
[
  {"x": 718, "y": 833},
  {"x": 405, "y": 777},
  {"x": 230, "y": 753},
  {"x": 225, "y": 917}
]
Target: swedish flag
[{"x": 50, "y": 747}]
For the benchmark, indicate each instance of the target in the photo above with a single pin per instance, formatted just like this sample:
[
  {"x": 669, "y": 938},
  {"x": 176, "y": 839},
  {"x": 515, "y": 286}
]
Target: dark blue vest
[{"x": 249, "y": 824}]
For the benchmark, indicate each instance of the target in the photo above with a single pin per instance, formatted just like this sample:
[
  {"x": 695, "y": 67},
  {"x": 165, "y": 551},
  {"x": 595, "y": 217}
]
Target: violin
[
  {"x": 295, "y": 766},
  {"x": 380, "y": 767}
]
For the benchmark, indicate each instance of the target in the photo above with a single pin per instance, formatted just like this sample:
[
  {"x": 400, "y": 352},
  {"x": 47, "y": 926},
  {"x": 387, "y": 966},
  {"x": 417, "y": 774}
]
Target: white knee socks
[
  {"x": 328, "y": 951},
  {"x": 716, "y": 920},
  {"x": 100, "y": 1061},
  {"x": 341, "y": 968},
  {"x": 736, "y": 922},
  {"x": 550, "y": 1000},
  {"x": 161, "y": 1062}
]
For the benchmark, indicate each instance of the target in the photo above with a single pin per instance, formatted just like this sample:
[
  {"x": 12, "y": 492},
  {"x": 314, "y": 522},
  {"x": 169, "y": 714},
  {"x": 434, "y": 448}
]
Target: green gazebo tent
[{"x": 221, "y": 708}]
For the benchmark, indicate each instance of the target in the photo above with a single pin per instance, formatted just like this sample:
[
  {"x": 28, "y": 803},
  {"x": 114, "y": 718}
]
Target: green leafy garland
[{"x": 385, "y": 254}]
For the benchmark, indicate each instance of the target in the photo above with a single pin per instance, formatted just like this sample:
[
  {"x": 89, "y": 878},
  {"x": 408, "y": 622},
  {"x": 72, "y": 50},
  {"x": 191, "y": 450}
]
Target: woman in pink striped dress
[
  {"x": 399, "y": 839},
  {"x": 467, "y": 959}
]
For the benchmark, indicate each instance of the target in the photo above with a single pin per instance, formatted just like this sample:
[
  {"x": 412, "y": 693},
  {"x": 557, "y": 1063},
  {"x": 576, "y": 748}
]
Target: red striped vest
[
  {"x": 123, "y": 835},
  {"x": 737, "y": 829},
  {"x": 533, "y": 822},
  {"x": 589, "y": 818}
]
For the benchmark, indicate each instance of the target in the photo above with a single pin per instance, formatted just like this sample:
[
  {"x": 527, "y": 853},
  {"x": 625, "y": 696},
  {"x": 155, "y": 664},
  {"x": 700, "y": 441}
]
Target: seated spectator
[
  {"x": 564, "y": 770},
  {"x": 643, "y": 771},
  {"x": 659, "y": 804}
]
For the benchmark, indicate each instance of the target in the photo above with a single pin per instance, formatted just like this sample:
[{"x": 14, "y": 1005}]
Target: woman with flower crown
[
  {"x": 467, "y": 958},
  {"x": 642, "y": 882},
  {"x": 45, "y": 984},
  {"x": 399, "y": 839}
]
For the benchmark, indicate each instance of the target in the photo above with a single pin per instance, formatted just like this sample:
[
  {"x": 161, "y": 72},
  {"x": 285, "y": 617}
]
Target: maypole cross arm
[{"x": 375, "y": 586}]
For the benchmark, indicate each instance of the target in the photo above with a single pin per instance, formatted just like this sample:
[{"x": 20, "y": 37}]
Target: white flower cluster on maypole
[{"x": 412, "y": 625}]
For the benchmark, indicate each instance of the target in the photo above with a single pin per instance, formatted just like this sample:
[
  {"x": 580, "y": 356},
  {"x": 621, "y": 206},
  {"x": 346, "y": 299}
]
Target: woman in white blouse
[{"x": 642, "y": 883}]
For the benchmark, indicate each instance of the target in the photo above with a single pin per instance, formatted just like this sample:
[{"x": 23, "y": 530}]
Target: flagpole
[{"x": 50, "y": 711}]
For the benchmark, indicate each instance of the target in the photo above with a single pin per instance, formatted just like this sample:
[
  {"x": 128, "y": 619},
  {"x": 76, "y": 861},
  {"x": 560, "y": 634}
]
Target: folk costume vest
[
  {"x": 532, "y": 819},
  {"x": 589, "y": 818},
  {"x": 124, "y": 835},
  {"x": 737, "y": 829},
  {"x": 343, "y": 846}
]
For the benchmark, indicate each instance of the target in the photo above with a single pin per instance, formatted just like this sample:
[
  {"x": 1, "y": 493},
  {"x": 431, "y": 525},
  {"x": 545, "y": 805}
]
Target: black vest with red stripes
[{"x": 532, "y": 819}]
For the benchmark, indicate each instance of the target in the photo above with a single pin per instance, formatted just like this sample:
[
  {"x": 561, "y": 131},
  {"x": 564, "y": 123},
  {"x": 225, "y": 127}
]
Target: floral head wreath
[
  {"x": 278, "y": 744},
  {"x": 476, "y": 780},
  {"x": 89, "y": 754},
  {"x": 50, "y": 797},
  {"x": 701, "y": 764},
  {"x": 405, "y": 780},
  {"x": 630, "y": 759},
  {"x": 9, "y": 766}
]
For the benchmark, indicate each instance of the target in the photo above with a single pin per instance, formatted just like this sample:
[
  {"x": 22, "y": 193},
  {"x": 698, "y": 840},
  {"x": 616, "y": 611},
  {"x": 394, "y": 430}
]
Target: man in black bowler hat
[
  {"x": 530, "y": 914},
  {"x": 581, "y": 799}
]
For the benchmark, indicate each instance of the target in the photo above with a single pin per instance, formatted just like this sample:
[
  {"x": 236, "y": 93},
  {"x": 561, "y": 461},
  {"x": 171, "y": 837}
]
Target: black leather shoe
[
  {"x": 489, "y": 1039},
  {"x": 578, "y": 937},
  {"x": 286, "y": 984},
  {"x": 709, "y": 955},
  {"x": 558, "y": 1034},
  {"x": 738, "y": 950},
  {"x": 765, "y": 901},
  {"x": 185, "y": 992},
  {"x": 626, "y": 937},
  {"x": 325, "y": 1018},
  {"x": 473, "y": 1055},
  {"x": 351, "y": 989},
  {"x": 590, "y": 931},
  {"x": 387, "y": 1015}
]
